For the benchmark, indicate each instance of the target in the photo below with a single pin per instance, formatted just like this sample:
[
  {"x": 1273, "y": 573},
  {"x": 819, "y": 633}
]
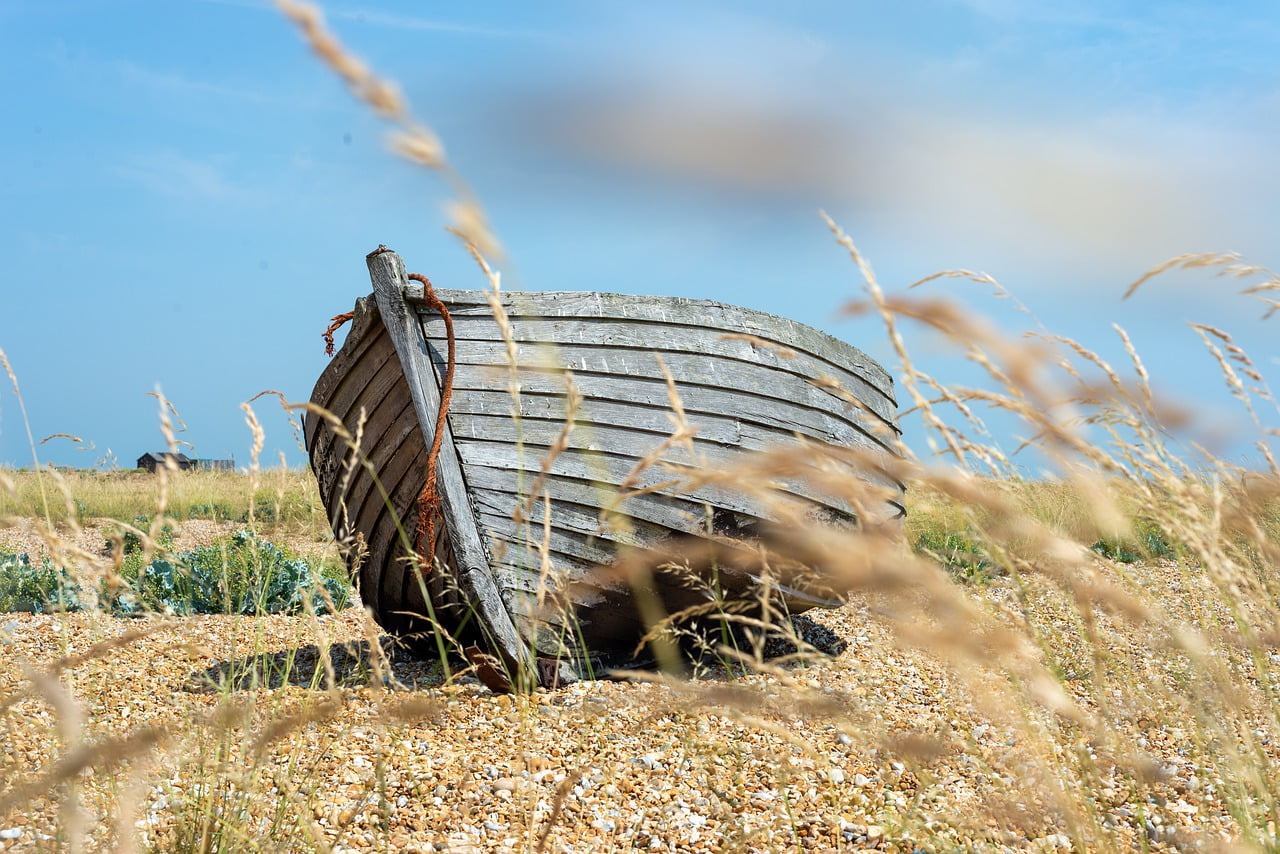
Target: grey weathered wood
[
  {"x": 581, "y": 344},
  {"x": 386, "y": 270},
  {"x": 616, "y": 438},
  {"x": 741, "y": 394},
  {"x": 782, "y": 420},
  {"x": 800, "y": 414},
  {"x": 670, "y": 310},
  {"x": 689, "y": 371},
  {"x": 675, "y": 513}
]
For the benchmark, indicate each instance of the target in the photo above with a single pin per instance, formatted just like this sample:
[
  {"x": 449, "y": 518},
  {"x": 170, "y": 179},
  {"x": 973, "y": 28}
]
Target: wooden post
[{"x": 387, "y": 271}]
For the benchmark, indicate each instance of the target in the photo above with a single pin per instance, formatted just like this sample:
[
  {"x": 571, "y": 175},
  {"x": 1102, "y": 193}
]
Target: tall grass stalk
[{"x": 1109, "y": 680}]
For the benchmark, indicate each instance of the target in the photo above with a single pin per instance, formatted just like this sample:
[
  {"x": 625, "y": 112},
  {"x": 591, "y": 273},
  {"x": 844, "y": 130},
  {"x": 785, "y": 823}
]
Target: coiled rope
[{"x": 429, "y": 499}]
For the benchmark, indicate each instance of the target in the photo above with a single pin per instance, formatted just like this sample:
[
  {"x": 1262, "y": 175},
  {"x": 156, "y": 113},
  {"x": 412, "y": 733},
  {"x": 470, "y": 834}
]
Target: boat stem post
[{"x": 475, "y": 577}]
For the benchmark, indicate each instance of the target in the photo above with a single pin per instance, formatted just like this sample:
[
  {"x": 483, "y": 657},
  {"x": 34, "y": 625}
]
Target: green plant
[
  {"x": 1148, "y": 542},
  {"x": 962, "y": 556},
  {"x": 242, "y": 574},
  {"x": 36, "y": 588},
  {"x": 132, "y": 542},
  {"x": 215, "y": 510}
]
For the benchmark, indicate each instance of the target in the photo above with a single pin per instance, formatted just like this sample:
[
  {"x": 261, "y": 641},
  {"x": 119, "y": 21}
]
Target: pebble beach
[{"x": 316, "y": 733}]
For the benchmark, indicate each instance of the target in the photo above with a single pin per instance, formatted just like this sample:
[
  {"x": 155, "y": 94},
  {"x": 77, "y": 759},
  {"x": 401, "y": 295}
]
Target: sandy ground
[{"x": 877, "y": 748}]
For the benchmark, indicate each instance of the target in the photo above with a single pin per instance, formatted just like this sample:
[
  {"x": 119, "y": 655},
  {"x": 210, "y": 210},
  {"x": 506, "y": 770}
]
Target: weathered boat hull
[{"x": 530, "y": 510}]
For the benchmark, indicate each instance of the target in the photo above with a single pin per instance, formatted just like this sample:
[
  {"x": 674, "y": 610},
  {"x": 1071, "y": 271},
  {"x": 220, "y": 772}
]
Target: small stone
[
  {"x": 504, "y": 784},
  {"x": 874, "y": 832},
  {"x": 651, "y": 761},
  {"x": 10, "y": 833},
  {"x": 861, "y": 780}
]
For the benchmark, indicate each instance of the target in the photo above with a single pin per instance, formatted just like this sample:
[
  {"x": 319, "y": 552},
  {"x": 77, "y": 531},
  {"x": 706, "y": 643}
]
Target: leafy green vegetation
[
  {"x": 958, "y": 554},
  {"x": 1147, "y": 543},
  {"x": 37, "y": 588},
  {"x": 241, "y": 574}
]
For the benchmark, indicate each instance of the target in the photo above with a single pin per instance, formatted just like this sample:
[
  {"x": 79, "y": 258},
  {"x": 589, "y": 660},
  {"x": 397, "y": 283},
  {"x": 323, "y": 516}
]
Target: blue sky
[{"x": 186, "y": 195}]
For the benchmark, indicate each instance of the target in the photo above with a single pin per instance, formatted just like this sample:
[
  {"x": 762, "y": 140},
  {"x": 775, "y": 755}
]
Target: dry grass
[
  {"x": 1063, "y": 700},
  {"x": 279, "y": 498}
]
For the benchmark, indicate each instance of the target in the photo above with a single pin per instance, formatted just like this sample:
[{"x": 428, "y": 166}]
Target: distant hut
[{"x": 152, "y": 461}]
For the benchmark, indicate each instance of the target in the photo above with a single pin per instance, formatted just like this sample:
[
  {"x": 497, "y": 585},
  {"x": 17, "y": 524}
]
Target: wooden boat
[{"x": 526, "y": 512}]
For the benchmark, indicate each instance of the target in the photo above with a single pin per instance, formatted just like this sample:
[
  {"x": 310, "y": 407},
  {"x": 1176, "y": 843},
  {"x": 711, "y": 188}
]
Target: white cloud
[
  {"x": 378, "y": 18},
  {"x": 1092, "y": 179},
  {"x": 174, "y": 83},
  {"x": 173, "y": 173}
]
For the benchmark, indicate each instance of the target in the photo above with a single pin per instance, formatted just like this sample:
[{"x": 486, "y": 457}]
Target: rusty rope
[
  {"x": 429, "y": 499},
  {"x": 327, "y": 335}
]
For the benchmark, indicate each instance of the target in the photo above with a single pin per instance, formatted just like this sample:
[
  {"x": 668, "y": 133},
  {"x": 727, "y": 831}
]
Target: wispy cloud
[
  {"x": 379, "y": 18},
  {"x": 1046, "y": 173},
  {"x": 176, "y": 83},
  {"x": 172, "y": 173},
  {"x": 1107, "y": 191}
]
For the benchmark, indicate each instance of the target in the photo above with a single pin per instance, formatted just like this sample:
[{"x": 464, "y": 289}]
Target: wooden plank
[
  {"x": 674, "y": 512},
  {"x": 688, "y": 369},
  {"x": 597, "y": 467},
  {"x": 391, "y": 442},
  {"x": 626, "y": 439},
  {"x": 382, "y": 444},
  {"x": 610, "y": 469},
  {"x": 364, "y": 330},
  {"x": 783, "y": 421},
  {"x": 386, "y": 269},
  {"x": 539, "y": 435},
  {"x": 572, "y": 343},
  {"x": 617, "y": 453},
  {"x": 402, "y": 482},
  {"x": 673, "y": 310},
  {"x": 793, "y": 414},
  {"x": 583, "y": 520},
  {"x": 352, "y": 397},
  {"x": 565, "y": 538}
]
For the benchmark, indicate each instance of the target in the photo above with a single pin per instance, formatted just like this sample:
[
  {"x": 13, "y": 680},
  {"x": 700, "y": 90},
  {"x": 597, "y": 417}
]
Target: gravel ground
[
  {"x": 877, "y": 748},
  {"x": 24, "y": 536}
]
